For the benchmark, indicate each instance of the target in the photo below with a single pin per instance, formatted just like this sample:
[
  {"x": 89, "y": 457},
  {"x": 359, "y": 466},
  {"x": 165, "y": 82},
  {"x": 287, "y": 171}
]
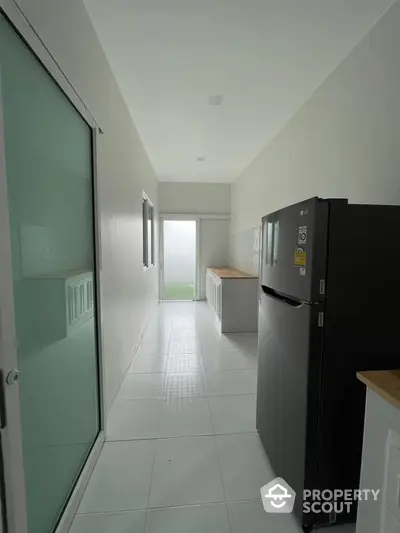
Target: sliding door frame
[
  {"x": 13, "y": 483},
  {"x": 192, "y": 218}
]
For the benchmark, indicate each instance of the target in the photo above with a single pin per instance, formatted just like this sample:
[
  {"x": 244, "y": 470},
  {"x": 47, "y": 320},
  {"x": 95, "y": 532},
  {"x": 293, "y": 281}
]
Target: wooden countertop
[
  {"x": 231, "y": 273},
  {"x": 386, "y": 383}
]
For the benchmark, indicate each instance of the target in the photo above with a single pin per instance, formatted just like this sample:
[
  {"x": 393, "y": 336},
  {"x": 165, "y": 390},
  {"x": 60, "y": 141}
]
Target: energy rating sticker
[
  {"x": 300, "y": 257},
  {"x": 302, "y": 235}
]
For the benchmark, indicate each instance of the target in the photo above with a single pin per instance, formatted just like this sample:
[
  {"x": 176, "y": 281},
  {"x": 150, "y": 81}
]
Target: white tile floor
[{"x": 183, "y": 454}]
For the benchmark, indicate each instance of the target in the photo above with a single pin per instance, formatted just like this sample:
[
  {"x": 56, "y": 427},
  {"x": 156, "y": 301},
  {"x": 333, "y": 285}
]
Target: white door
[
  {"x": 178, "y": 253},
  {"x": 50, "y": 415}
]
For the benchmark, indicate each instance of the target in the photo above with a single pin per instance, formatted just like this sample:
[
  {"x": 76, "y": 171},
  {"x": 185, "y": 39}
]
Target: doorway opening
[{"x": 179, "y": 260}]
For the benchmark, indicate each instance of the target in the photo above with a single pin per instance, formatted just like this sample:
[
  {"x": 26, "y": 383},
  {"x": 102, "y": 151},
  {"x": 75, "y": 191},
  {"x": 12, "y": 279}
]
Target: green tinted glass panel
[{"x": 49, "y": 178}]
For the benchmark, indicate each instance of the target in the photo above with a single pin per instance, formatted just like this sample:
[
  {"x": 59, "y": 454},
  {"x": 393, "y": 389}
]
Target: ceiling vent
[{"x": 215, "y": 99}]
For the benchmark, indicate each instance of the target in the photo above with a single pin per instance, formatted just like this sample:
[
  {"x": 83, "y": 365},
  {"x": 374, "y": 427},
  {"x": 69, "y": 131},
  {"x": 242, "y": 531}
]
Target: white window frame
[{"x": 148, "y": 252}]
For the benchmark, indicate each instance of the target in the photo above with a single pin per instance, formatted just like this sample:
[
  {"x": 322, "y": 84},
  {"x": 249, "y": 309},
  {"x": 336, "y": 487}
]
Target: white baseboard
[{"x": 80, "y": 487}]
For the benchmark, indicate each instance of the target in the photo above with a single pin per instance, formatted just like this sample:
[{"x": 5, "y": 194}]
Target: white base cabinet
[
  {"x": 234, "y": 300},
  {"x": 68, "y": 302}
]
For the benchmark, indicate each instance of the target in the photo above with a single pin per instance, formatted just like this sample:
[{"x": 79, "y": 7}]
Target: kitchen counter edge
[
  {"x": 230, "y": 273},
  {"x": 386, "y": 383}
]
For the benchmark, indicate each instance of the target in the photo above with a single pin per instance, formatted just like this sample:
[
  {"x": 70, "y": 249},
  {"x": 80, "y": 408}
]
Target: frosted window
[{"x": 179, "y": 260}]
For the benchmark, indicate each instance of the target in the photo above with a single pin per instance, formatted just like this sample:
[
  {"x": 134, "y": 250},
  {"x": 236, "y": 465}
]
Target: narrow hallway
[
  {"x": 168, "y": 168},
  {"x": 182, "y": 452}
]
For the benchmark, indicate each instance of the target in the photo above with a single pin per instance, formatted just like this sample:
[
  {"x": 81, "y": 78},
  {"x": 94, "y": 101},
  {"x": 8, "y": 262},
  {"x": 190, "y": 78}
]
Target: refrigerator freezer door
[
  {"x": 288, "y": 390},
  {"x": 293, "y": 259}
]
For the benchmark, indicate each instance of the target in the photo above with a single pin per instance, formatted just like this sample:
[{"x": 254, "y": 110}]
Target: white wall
[
  {"x": 214, "y": 248},
  {"x": 344, "y": 142},
  {"x": 191, "y": 198},
  {"x": 128, "y": 293}
]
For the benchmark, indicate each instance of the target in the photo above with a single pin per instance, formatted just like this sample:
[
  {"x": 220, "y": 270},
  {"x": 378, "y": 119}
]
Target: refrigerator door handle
[{"x": 280, "y": 297}]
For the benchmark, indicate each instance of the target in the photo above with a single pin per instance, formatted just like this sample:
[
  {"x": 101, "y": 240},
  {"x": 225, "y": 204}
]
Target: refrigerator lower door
[{"x": 288, "y": 390}]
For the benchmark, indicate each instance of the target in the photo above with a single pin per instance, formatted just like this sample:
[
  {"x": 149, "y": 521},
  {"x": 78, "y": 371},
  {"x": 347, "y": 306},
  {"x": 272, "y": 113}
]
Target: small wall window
[{"x": 148, "y": 232}]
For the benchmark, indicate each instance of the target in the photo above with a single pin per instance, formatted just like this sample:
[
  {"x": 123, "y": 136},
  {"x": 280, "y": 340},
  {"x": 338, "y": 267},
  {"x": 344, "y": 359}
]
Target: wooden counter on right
[
  {"x": 380, "y": 468},
  {"x": 386, "y": 383}
]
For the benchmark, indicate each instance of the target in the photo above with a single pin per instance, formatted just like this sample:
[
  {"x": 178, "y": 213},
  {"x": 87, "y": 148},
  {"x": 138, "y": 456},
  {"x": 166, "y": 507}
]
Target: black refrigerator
[{"x": 329, "y": 306}]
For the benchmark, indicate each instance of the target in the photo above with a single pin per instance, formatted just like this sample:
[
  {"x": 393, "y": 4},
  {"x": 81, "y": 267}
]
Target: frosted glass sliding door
[
  {"x": 48, "y": 155},
  {"x": 179, "y": 259}
]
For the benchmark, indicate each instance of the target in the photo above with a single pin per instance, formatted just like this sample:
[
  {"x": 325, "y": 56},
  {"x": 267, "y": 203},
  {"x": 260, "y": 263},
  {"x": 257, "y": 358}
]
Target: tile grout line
[
  {"x": 219, "y": 467},
  {"x": 187, "y": 436},
  {"x": 183, "y": 506},
  {"x": 161, "y": 398},
  {"x": 148, "y": 496},
  {"x": 204, "y": 370},
  {"x": 211, "y": 416},
  {"x": 150, "y": 485},
  {"x": 172, "y": 397},
  {"x": 222, "y": 483}
]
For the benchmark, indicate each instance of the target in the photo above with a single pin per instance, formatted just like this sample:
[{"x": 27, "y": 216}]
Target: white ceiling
[{"x": 265, "y": 57}]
